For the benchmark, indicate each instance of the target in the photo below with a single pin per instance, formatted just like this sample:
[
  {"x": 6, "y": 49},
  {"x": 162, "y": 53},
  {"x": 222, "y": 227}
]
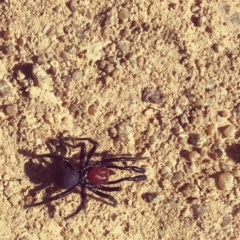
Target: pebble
[
  {"x": 153, "y": 96},
  {"x": 70, "y": 49},
  {"x": 148, "y": 170},
  {"x": 123, "y": 14},
  {"x": 190, "y": 190},
  {"x": 146, "y": 27},
  {"x": 76, "y": 75},
  {"x": 146, "y": 153},
  {"x": 7, "y": 48},
  {"x": 5, "y": 89},
  {"x": 38, "y": 74},
  {"x": 194, "y": 156},
  {"x": 197, "y": 139},
  {"x": 178, "y": 110},
  {"x": 124, "y": 130},
  {"x": 41, "y": 59},
  {"x": 107, "y": 32},
  {"x": 166, "y": 171},
  {"x": 153, "y": 198},
  {"x": 198, "y": 211},
  {"x": 148, "y": 113},
  {"x": 225, "y": 114},
  {"x": 236, "y": 173},
  {"x": 123, "y": 46},
  {"x": 225, "y": 167},
  {"x": 229, "y": 131},
  {"x": 186, "y": 212},
  {"x": 92, "y": 110},
  {"x": 48, "y": 118},
  {"x": 73, "y": 6},
  {"x": 11, "y": 110},
  {"x": 8, "y": 35},
  {"x": 209, "y": 84},
  {"x": 29, "y": 200},
  {"x": 184, "y": 119},
  {"x": 177, "y": 176},
  {"x": 110, "y": 68},
  {"x": 140, "y": 61},
  {"x": 215, "y": 152},
  {"x": 183, "y": 101},
  {"x": 226, "y": 181},
  {"x": 226, "y": 221},
  {"x": 66, "y": 56},
  {"x": 199, "y": 102},
  {"x": 177, "y": 129},
  {"x": 211, "y": 129}
]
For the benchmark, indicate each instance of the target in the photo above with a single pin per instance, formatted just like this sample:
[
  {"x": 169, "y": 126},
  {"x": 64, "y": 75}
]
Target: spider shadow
[{"x": 41, "y": 173}]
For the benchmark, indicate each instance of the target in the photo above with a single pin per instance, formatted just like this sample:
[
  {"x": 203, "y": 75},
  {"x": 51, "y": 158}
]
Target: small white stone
[
  {"x": 229, "y": 132},
  {"x": 194, "y": 156},
  {"x": 178, "y": 110},
  {"x": 166, "y": 170},
  {"x": 236, "y": 173},
  {"x": 39, "y": 74},
  {"x": 225, "y": 181},
  {"x": 154, "y": 198},
  {"x": 199, "y": 102}
]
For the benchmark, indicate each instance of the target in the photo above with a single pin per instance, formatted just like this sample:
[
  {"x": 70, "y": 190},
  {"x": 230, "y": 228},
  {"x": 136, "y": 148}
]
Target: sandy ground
[{"x": 143, "y": 78}]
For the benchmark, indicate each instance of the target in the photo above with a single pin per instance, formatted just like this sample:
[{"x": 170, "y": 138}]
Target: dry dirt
[{"x": 143, "y": 78}]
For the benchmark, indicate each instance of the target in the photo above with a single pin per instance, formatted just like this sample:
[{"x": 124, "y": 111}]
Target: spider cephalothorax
[{"x": 92, "y": 176}]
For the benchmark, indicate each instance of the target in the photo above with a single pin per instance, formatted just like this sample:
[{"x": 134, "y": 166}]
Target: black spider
[{"x": 89, "y": 175}]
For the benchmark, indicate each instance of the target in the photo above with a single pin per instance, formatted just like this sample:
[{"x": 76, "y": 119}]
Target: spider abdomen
[
  {"x": 98, "y": 175},
  {"x": 66, "y": 178}
]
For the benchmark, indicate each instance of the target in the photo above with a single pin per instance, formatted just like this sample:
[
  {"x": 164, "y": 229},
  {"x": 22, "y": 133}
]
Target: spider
[{"x": 92, "y": 176}]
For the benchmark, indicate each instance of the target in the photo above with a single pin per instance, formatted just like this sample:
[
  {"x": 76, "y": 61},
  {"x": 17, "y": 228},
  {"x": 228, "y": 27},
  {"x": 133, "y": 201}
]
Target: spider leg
[
  {"x": 103, "y": 195},
  {"x": 57, "y": 157},
  {"x": 92, "y": 150},
  {"x": 131, "y": 168},
  {"x": 135, "y": 179},
  {"x": 81, "y": 206},
  {"x": 82, "y": 152},
  {"x": 107, "y": 189},
  {"x": 58, "y": 196},
  {"x": 90, "y": 153},
  {"x": 121, "y": 159}
]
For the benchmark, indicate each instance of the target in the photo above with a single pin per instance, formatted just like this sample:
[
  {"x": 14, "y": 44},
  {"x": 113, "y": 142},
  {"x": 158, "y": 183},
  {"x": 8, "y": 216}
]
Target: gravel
[
  {"x": 229, "y": 131},
  {"x": 197, "y": 139},
  {"x": 5, "y": 89},
  {"x": 198, "y": 211},
  {"x": 11, "y": 110},
  {"x": 123, "y": 14},
  {"x": 77, "y": 75},
  {"x": 153, "y": 96},
  {"x": 226, "y": 181},
  {"x": 153, "y": 198},
  {"x": 124, "y": 130},
  {"x": 38, "y": 74}
]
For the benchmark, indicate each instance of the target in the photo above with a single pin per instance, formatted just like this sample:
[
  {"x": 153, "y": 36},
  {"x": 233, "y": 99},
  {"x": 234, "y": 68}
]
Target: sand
[{"x": 156, "y": 79}]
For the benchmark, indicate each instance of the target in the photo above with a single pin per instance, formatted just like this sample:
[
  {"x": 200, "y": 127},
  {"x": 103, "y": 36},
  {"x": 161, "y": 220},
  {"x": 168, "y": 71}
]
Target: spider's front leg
[{"x": 83, "y": 150}]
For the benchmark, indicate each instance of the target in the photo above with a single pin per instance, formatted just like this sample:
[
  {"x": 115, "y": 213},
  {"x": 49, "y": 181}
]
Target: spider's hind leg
[{"x": 104, "y": 195}]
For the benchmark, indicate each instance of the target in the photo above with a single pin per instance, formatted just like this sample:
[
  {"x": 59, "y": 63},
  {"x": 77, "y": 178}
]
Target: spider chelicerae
[{"x": 92, "y": 176}]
